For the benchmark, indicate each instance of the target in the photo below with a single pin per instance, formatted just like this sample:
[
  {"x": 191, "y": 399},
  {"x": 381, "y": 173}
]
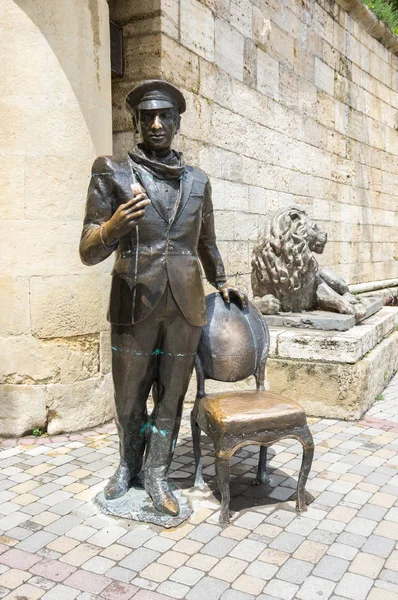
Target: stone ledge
[
  {"x": 332, "y": 346},
  {"x": 376, "y": 28},
  {"x": 336, "y": 390}
]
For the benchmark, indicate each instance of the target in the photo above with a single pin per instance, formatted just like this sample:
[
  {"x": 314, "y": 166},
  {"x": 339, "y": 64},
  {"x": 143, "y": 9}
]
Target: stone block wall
[
  {"x": 56, "y": 118},
  {"x": 288, "y": 103}
]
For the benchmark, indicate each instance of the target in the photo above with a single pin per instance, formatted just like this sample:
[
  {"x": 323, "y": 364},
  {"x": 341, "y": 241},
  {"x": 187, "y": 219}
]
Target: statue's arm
[
  {"x": 99, "y": 209},
  {"x": 208, "y": 252}
]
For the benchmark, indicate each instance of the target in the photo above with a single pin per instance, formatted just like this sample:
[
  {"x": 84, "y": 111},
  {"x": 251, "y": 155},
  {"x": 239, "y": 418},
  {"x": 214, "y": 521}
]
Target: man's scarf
[{"x": 170, "y": 167}]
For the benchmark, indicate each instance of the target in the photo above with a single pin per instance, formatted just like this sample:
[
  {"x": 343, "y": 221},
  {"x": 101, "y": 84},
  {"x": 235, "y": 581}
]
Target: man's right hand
[{"x": 127, "y": 216}]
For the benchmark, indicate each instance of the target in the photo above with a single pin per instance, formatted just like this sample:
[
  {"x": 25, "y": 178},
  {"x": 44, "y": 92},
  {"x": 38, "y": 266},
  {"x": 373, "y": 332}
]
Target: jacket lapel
[
  {"x": 148, "y": 183},
  {"x": 187, "y": 183}
]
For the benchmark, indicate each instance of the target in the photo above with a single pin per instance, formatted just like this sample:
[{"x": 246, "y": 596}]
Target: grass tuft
[{"x": 386, "y": 11}]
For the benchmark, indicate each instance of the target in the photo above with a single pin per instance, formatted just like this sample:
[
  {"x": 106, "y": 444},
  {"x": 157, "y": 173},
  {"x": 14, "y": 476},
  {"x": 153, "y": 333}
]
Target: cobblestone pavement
[{"x": 55, "y": 545}]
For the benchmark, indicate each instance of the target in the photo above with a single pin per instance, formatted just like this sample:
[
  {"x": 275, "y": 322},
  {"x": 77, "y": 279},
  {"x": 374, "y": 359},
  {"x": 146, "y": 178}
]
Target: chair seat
[{"x": 251, "y": 412}]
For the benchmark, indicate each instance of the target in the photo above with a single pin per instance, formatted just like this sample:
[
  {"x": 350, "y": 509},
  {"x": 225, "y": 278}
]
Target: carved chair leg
[
  {"x": 308, "y": 454},
  {"x": 222, "y": 472},
  {"x": 196, "y": 434},
  {"x": 262, "y": 476}
]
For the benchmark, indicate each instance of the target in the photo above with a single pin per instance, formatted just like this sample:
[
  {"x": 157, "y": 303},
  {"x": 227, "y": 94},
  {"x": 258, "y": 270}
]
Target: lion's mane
[{"x": 283, "y": 263}]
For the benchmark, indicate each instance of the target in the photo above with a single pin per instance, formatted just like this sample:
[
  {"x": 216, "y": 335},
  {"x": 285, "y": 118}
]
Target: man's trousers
[{"x": 156, "y": 353}]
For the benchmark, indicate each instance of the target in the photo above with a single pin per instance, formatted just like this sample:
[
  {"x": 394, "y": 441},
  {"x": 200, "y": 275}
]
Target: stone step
[{"x": 332, "y": 346}]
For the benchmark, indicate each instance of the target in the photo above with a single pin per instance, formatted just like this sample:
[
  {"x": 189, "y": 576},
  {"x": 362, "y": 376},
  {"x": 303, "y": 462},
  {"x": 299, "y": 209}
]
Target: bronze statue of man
[{"x": 157, "y": 214}]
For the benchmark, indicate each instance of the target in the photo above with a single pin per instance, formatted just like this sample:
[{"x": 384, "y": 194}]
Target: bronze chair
[{"x": 233, "y": 346}]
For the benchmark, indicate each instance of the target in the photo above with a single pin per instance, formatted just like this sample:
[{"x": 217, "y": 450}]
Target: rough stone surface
[
  {"x": 22, "y": 408},
  {"x": 312, "y": 122},
  {"x": 330, "y": 346},
  {"x": 336, "y": 389},
  {"x": 317, "y": 319},
  {"x": 70, "y": 407},
  {"x": 56, "y": 88},
  {"x": 31, "y": 361}
]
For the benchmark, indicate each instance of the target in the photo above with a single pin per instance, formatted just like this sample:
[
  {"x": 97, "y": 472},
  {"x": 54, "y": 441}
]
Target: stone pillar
[{"x": 55, "y": 119}]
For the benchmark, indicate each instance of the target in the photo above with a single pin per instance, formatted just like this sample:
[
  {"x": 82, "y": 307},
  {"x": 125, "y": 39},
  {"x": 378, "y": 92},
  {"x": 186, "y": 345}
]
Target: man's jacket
[{"x": 158, "y": 250}]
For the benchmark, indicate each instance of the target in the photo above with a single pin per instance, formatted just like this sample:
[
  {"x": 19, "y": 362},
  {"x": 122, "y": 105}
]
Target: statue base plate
[
  {"x": 138, "y": 506},
  {"x": 321, "y": 319}
]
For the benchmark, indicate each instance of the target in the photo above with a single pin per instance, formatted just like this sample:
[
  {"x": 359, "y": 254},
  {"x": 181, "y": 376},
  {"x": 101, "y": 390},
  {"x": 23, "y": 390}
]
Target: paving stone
[
  {"x": 61, "y": 592},
  {"x": 287, "y": 542},
  {"x": 150, "y": 595},
  {"x": 301, "y": 526},
  {"x": 315, "y": 588},
  {"x": 120, "y": 574},
  {"x": 137, "y": 537},
  {"x": 25, "y": 591},
  {"x": 204, "y": 532},
  {"x": 203, "y": 562},
  {"x": 361, "y": 526},
  {"x": 53, "y": 570},
  {"x": 13, "y": 578},
  {"x": 187, "y": 575},
  {"x": 355, "y": 587},
  {"x": 41, "y": 582},
  {"x": 80, "y": 554},
  {"x": 107, "y": 536},
  {"x": 295, "y": 571},
  {"x": 391, "y": 576},
  {"x": 249, "y": 520},
  {"x": 310, "y": 551},
  {"x": 81, "y": 532},
  {"x": 36, "y": 541},
  {"x": 228, "y": 569},
  {"x": 173, "y": 559},
  {"x": 281, "y": 589},
  {"x": 119, "y": 591},
  {"x": 208, "y": 588},
  {"x": 331, "y": 567},
  {"x": 19, "y": 559},
  {"x": 372, "y": 512},
  {"x": 247, "y": 550},
  {"x": 368, "y": 565},
  {"x": 343, "y": 551},
  {"x": 98, "y": 564},
  {"x": 236, "y": 595},
  {"x": 380, "y": 546},
  {"x": 351, "y": 539},
  {"x": 161, "y": 544},
  {"x": 173, "y": 589},
  {"x": 219, "y": 546},
  {"x": 139, "y": 559},
  {"x": 62, "y": 544},
  {"x": 88, "y": 582},
  {"x": 248, "y": 584},
  {"x": 281, "y": 518}
]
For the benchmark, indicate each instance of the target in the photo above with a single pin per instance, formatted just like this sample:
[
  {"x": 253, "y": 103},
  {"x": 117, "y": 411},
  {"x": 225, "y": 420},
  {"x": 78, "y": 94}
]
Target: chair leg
[
  {"x": 262, "y": 476},
  {"x": 196, "y": 434},
  {"x": 222, "y": 473},
  {"x": 308, "y": 454}
]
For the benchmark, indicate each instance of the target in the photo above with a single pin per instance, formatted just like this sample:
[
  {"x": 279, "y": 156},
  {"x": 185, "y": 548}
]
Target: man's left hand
[{"x": 228, "y": 291}]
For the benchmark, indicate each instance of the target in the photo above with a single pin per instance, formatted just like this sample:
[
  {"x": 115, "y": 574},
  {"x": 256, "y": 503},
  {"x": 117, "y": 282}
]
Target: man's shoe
[
  {"x": 163, "y": 498},
  {"x": 119, "y": 484}
]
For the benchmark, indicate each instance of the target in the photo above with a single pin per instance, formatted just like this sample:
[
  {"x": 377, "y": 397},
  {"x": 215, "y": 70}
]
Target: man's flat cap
[{"x": 155, "y": 94}]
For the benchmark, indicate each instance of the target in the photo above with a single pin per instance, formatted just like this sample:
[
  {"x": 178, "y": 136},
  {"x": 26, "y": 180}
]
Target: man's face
[{"x": 157, "y": 128}]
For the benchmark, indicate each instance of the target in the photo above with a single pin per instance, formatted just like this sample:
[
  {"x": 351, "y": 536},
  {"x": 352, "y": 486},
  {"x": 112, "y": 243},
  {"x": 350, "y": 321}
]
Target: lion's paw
[{"x": 268, "y": 305}]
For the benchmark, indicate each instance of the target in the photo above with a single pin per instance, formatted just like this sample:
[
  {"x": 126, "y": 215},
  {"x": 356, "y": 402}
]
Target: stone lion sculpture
[{"x": 285, "y": 274}]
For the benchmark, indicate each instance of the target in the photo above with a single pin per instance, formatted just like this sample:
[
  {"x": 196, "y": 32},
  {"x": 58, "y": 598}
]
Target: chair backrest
[{"x": 234, "y": 343}]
